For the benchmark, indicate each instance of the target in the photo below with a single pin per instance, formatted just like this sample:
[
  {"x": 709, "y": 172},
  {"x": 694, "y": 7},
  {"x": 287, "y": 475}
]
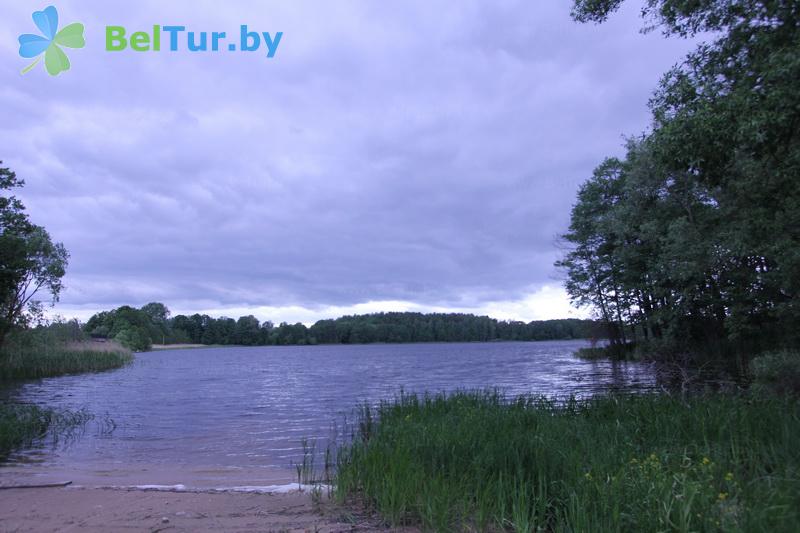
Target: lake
[{"x": 236, "y": 416}]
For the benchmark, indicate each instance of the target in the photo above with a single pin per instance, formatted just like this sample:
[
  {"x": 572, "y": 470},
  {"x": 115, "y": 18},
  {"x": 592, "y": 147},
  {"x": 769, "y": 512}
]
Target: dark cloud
[{"x": 412, "y": 152}]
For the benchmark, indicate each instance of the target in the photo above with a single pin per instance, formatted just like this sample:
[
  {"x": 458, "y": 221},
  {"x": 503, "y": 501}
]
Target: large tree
[
  {"x": 706, "y": 233},
  {"x": 31, "y": 264}
]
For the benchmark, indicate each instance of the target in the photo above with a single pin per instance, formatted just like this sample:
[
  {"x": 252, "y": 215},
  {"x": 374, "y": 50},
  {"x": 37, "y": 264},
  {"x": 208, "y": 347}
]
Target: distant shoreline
[
  {"x": 164, "y": 347},
  {"x": 180, "y": 346}
]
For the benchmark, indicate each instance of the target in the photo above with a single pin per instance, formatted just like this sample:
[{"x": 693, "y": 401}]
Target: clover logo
[{"x": 55, "y": 60}]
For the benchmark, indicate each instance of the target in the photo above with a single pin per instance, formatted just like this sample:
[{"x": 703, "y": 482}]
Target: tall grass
[
  {"x": 481, "y": 462},
  {"x": 45, "y": 360},
  {"x": 21, "y": 425}
]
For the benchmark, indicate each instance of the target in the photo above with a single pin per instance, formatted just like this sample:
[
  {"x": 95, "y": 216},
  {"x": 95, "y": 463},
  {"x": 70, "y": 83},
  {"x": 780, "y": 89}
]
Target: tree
[
  {"x": 701, "y": 245},
  {"x": 158, "y": 312},
  {"x": 159, "y": 317},
  {"x": 247, "y": 331},
  {"x": 30, "y": 262},
  {"x": 129, "y": 326},
  {"x": 594, "y": 275}
]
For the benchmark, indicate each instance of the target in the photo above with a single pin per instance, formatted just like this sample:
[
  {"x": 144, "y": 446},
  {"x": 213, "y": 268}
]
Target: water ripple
[{"x": 246, "y": 408}]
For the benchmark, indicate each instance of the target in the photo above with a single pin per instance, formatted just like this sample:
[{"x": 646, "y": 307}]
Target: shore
[
  {"x": 157, "y": 347},
  {"x": 101, "y": 509}
]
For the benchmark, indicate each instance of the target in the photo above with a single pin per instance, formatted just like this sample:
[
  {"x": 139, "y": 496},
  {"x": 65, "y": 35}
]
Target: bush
[
  {"x": 133, "y": 340},
  {"x": 615, "y": 352},
  {"x": 779, "y": 371}
]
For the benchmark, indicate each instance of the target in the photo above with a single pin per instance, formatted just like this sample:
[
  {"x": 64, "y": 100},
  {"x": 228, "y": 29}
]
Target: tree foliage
[
  {"x": 30, "y": 262},
  {"x": 694, "y": 237},
  {"x": 137, "y": 329}
]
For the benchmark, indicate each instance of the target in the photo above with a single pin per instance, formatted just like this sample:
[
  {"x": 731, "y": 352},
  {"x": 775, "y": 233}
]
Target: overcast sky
[{"x": 393, "y": 155}]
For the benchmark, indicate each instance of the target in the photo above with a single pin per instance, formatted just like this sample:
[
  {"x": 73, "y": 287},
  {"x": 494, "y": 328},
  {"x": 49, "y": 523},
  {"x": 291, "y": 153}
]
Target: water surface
[{"x": 236, "y": 416}]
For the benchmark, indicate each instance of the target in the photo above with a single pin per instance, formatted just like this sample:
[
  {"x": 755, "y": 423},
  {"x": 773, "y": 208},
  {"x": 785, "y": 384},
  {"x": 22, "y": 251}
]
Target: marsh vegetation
[
  {"x": 23, "y": 425},
  {"x": 478, "y": 461}
]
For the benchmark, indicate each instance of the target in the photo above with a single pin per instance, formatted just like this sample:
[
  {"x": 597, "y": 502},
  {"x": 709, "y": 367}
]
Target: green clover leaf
[
  {"x": 71, "y": 36},
  {"x": 55, "y": 60}
]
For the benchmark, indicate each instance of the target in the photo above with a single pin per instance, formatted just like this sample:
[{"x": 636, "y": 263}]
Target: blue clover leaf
[{"x": 49, "y": 43}]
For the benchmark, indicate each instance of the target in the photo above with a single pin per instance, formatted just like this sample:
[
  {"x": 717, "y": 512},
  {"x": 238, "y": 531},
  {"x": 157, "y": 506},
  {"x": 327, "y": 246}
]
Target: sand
[
  {"x": 108, "y": 510},
  {"x": 156, "y": 347}
]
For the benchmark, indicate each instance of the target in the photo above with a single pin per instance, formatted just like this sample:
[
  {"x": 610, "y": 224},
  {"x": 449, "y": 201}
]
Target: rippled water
[{"x": 237, "y": 415}]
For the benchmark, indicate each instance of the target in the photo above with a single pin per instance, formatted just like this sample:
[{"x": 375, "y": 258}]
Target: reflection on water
[{"x": 242, "y": 412}]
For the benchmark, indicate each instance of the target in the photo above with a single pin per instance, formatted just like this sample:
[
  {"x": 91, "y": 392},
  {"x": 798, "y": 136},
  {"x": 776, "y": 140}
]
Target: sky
[{"x": 419, "y": 155}]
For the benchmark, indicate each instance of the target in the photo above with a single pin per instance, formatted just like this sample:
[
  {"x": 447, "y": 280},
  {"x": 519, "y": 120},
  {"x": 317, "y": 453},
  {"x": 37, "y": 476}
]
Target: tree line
[
  {"x": 152, "y": 324},
  {"x": 691, "y": 242}
]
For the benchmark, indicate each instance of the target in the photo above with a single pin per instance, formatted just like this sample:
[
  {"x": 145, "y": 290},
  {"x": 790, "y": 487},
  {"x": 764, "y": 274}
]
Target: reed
[
  {"x": 22, "y": 425},
  {"x": 477, "y": 461},
  {"x": 47, "y": 360}
]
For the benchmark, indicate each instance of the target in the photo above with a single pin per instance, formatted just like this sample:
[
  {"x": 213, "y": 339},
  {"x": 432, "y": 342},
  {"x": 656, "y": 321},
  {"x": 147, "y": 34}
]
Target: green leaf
[
  {"x": 71, "y": 36},
  {"x": 55, "y": 60}
]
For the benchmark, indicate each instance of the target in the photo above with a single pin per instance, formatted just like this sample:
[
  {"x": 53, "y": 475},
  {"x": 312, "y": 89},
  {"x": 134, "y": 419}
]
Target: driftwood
[{"x": 42, "y": 486}]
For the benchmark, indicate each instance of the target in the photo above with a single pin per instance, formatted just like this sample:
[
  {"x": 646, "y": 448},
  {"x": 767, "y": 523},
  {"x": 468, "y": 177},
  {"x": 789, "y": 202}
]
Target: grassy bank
[
  {"x": 474, "y": 461},
  {"x": 46, "y": 360},
  {"x": 21, "y": 425}
]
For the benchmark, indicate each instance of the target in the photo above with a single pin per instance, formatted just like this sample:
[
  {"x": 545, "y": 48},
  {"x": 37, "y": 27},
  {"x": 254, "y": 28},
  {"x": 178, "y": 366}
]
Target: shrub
[{"x": 779, "y": 371}]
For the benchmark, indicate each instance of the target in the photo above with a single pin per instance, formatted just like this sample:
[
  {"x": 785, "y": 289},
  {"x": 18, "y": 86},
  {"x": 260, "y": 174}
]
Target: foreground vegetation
[
  {"x": 480, "y": 462},
  {"x": 45, "y": 351},
  {"x": 21, "y": 425}
]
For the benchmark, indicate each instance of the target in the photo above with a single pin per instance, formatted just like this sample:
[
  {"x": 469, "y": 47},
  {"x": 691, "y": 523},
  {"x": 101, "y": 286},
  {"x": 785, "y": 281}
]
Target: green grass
[
  {"x": 58, "y": 359},
  {"x": 21, "y": 425},
  {"x": 480, "y": 462}
]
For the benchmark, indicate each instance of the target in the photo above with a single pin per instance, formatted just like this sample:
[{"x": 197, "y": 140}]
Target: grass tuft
[{"x": 22, "y": 425}]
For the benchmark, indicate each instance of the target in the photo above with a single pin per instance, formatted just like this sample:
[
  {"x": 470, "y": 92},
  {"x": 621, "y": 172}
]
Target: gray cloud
[{"x": 406, "y": 151}]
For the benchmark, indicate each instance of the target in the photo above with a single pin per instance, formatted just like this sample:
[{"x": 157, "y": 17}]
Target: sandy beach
[{"x": 73, "y": 508}]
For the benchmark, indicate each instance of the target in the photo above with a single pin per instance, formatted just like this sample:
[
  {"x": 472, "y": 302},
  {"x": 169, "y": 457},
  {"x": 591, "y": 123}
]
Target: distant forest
[{"x": 152, "y": 324}]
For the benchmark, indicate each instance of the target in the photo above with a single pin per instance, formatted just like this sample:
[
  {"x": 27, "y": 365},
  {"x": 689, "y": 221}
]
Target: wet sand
[{"x": 109, "y": 510}]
